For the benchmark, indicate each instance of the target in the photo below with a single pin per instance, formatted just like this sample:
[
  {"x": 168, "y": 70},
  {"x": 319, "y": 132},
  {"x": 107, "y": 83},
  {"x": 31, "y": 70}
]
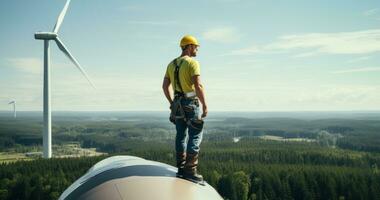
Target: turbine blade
[
  {"x": 68, "y": 54},
  {"x": 60, "y": 17}
]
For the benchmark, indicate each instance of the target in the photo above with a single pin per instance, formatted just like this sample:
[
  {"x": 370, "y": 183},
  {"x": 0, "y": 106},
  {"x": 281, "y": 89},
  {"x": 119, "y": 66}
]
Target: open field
[
  {"x": 278, "y": 138},
  {"x": 59, "y": 151},
  {"x": 6, "y": 157}
]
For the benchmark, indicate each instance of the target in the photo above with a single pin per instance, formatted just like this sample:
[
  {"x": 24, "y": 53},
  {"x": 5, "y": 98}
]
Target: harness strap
[
  {"x": 176, "y": 75},
  {"x": 178, "y": 98}
]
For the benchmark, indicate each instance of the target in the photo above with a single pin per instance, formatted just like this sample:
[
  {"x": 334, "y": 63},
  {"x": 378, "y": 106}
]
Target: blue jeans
[{"x": 194, "y": 125}]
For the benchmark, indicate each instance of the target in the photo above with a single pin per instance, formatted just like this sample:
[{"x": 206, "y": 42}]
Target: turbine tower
[
  {"x": 14, "y": 108},
  {"x": 46, "y": 37}
]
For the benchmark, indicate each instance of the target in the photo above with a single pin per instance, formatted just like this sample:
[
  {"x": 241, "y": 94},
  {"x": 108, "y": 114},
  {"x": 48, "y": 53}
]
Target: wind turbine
[
  {"x": 14, "y": 108},
  {"x": 235, "y": 138},
  {"x": 47, "y": 36}
]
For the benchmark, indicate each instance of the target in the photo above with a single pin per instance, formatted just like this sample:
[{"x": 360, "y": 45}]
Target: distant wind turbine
[
  {"x": 235, "y": 138},
  {"x": 14, "y": 108},
  {"x": 47, "y": 36}
]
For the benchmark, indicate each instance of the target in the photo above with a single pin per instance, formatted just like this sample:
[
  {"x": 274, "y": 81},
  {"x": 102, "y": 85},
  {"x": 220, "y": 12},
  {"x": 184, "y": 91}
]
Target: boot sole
[{"x": 202, "y": 182}]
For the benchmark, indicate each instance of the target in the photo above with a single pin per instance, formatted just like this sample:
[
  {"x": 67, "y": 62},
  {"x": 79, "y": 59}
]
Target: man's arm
[
  {"x": 166, "y": 88},
  {"x": 199, "y": 90}
]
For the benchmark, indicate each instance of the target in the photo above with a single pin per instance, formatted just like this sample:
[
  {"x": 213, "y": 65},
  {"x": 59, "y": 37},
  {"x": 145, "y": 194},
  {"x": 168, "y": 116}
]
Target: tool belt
[
  {"x": 180, "y": 111},
  {"x": 186, "y": 95}
]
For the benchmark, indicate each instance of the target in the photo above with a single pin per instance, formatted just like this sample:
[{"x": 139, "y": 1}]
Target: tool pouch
[
  {"x": 175, "y": 111},
  {"x": 172, "y": 119}
]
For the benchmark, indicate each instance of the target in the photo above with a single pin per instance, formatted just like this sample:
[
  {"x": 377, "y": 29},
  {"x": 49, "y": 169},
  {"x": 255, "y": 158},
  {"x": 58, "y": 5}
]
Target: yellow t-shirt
[{"x": 188, "y": 68}]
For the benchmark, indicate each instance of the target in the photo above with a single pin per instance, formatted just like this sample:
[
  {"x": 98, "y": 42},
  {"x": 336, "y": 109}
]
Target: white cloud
[
  {"x": 34, "y": 66},
  {"x": 371, "y": 12},
  {"x": 154, "y": 23},
  {"x": 359, "y": 59},
  {"x": 296, "y": 98},
  {"x": 26, "y": 65},
  {"x": 364, "y": 69},
  {"x": 252, "y": 63},
  {"x": 357, "y": 42},
  {"x": 244, "y": 52},
  {"x": 71, "y": 91},
  {"x": 360, "y": 96},
  {"x": 303, "y": 55},
  {"x": 222, "y": 35}
]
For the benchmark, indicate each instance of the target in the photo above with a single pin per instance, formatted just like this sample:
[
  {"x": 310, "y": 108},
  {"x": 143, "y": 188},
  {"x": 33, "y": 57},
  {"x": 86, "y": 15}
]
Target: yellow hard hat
[{"x": 188, "y": 39}]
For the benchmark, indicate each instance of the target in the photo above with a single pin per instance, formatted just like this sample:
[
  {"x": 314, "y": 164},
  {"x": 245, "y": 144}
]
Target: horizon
[
  {"x": 217, "y": 111},
  {"x": 121, "y": 115}
]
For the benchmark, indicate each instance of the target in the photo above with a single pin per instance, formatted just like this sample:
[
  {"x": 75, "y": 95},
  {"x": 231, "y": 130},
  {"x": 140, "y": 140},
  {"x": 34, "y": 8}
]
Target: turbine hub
[{"x": 45, "y": 36}]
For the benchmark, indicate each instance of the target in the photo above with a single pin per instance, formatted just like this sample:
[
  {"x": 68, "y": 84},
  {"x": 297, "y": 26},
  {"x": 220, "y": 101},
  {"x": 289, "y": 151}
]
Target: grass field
[
  {"x": 59, "y": 151},
  {"x": 6, "y": 157},
  {"x": 278, "y": 138}
]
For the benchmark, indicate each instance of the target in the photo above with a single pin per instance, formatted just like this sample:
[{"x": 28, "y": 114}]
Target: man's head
[{"x": 189, "y": 45}]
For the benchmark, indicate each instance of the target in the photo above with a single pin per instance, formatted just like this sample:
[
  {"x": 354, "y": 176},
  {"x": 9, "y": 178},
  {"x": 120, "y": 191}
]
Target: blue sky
[{"x": 255, "y": 55}]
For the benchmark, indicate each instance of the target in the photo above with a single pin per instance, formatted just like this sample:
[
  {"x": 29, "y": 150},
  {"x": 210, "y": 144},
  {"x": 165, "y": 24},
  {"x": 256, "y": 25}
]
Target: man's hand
[
  {"x": 199, "y": 90},
  {"x": 205, "y": 111}
]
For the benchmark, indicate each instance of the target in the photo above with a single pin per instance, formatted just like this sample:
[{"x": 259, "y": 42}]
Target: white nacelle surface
[{"x": 160, "y": 186}]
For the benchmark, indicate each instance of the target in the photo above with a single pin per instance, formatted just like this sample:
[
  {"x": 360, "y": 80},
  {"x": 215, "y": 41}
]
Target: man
[{"x": 183, "y": 73}]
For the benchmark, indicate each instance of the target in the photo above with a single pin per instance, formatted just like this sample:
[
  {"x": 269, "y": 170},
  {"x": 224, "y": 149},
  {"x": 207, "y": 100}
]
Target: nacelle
[{"x": 45, "y": 36}]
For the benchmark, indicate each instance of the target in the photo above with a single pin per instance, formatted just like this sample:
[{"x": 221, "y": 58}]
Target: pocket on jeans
[{"x": 196, "y": 123}]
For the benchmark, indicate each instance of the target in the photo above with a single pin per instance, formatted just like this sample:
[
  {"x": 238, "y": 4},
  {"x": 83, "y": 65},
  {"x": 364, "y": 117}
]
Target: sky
[{"x": 255, "y": 55}]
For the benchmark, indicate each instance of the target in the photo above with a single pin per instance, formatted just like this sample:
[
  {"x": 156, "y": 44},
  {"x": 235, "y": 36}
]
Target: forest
[{"x": 339, "y": 161}]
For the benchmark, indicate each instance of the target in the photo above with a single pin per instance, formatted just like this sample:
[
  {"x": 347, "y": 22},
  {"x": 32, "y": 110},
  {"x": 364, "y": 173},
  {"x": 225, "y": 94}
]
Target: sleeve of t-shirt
[{"x": 195, "y": 68}]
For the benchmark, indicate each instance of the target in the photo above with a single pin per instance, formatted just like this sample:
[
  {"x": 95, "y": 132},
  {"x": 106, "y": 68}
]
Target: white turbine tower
[
  {"x": 47, "y": 36},
  {"x": 14, "y": 108}
]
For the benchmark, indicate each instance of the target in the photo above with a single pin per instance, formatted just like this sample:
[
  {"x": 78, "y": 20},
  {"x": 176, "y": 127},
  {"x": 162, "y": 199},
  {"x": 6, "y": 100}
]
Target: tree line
[{"x": 251, "y": 169}]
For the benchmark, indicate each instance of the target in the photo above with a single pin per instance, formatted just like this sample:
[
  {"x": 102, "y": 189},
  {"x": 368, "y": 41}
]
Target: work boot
[
  {"x": 181, "y": 160},
  {"x": 190, "y": 170}
]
